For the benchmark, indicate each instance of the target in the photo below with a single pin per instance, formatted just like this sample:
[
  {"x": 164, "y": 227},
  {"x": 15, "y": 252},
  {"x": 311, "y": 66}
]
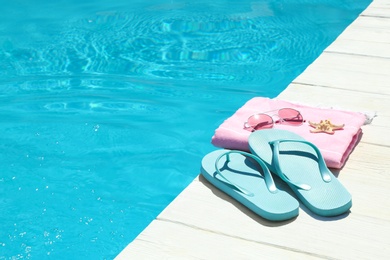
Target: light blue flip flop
[
  {"x": 300, "y": 164},
  {"x": 246, "y": 178}
]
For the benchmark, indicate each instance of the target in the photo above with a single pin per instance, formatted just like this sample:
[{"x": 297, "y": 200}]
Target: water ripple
[{"x": 192, "y": 46}]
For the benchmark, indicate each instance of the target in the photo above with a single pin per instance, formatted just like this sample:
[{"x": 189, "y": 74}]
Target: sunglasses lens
[
  {"x": 290, "y": 116},
  {"x": 260, "y": 121}
]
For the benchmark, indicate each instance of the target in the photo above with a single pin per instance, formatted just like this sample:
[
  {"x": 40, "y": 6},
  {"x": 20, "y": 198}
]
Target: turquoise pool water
[{"x": 107, "y": 107}]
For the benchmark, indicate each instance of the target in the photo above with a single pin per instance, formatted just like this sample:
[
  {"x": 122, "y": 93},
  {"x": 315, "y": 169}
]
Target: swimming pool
[{"x": 107, "y": 108}]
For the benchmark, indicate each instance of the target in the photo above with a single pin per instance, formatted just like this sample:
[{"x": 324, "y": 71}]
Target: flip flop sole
[
  {"x": 300, "y": 164},
  {"x": 242, "y": 172}
]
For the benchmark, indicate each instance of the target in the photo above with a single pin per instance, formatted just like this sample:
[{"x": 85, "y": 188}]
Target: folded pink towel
[{"x": 335, "y": 148}]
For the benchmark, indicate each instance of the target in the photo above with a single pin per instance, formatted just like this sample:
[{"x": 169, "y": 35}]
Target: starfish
[{"x": 325, "y": 126}]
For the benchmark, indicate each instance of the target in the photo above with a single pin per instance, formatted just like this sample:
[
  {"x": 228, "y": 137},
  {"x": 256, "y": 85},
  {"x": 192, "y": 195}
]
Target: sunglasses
[{"x": 286, "y": 116}]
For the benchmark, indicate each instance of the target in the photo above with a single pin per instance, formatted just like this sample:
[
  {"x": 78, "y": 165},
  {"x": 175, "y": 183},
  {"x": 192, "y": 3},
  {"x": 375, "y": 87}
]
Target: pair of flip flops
[{"x": 246, "y": 177}]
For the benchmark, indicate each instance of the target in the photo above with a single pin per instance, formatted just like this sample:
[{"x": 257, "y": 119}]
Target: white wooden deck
[{"x": 203, "y": 223}]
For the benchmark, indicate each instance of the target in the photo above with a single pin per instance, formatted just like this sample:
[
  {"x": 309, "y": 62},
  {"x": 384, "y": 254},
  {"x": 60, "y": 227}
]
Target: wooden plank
[
  {"x": 322, "y": 96},
  {"x": 357, "y": 235},
  {"x": 365, "y": 36},
  {"x": 170, "y": 240},
  {"x": 367, "y": 176},
  {"x": 367, "y": 29},
  {"x": 378, "y": 24},
  {"x": 358, "y": 73},
  {"x": 351, "y": 46},
  {"x": 378, "y": 8},
  {"x": 378, "y": 135},
  {"x": 373, "y": 158}
]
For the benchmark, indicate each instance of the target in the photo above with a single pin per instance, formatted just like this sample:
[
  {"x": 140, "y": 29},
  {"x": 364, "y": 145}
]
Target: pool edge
[{"x": 175, "y": 234}]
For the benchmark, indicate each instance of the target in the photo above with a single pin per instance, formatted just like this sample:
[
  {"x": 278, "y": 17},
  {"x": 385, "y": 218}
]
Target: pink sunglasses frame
[{"x": 268, "y": 121}]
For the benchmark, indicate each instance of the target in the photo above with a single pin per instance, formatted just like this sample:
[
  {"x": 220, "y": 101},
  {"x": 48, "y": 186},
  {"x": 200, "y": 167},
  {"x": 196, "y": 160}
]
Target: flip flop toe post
[{"x": 245, "y": 178}]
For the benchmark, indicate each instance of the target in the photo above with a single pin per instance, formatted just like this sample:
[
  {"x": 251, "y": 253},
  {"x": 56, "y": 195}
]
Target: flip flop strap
[
  {"x": 276, "y": 162},
  {"x": 267, "y": 175}
]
